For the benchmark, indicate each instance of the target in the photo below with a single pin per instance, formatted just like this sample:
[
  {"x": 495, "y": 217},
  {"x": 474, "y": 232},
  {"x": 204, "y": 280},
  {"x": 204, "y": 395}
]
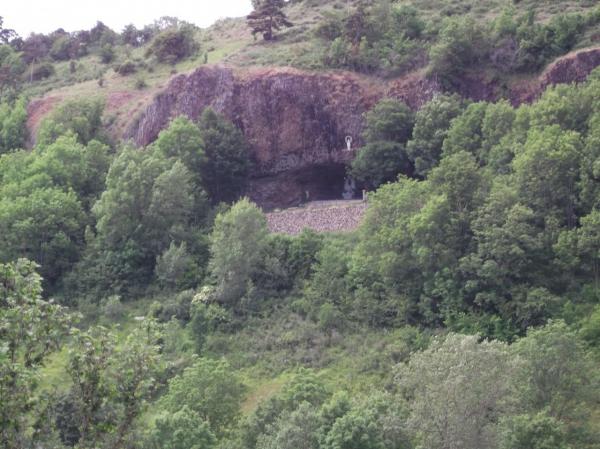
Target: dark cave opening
[{"x": 326, "y": 182}]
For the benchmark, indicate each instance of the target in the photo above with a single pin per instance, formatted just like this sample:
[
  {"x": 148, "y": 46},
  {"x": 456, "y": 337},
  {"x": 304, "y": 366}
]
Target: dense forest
[{"x": 144, "y": 304}]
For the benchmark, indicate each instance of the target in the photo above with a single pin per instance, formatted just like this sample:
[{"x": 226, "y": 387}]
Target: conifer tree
[{"x": 268, "y": 16}]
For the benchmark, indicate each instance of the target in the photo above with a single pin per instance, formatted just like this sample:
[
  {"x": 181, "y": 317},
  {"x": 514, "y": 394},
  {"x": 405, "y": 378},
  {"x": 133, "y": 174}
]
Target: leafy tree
[
  {"x": 81, "y": 117},
  {"x": 538, "y": 431},
  {"x": 238, "y": 241},
  {"x": 298, "y": 429},
  {"x": 11, "y": 70},
  {"x": 13, "y": 129},
  {"x": 173, "y": 45},
  {"x": 89, "y": 359},
  {"x": 224, "y": 171},
  {"x": 465, "y": 133},
  {"x": 30, "y": 330},
  {"x": 389, "y": 126},
  {"x": 328, "y": 284},
  {"x": 182, "y": 140},
  {"x": 176, "y": 268},
  {"x": 432, "y": 123},
  {"x": 461, "y": 44},
  {"x": 183, "y": 429},
  {"x": 148, "y": 203},
  {"x": 380, "y": 162},
  {"x": 46, "y": 226},
  {"x": 556, "y": 154},
  {"x": 390, "y": 120},
  {"x": 135, "y": 367},
  {"x": 211, "y": 390},
  {"x": 61, "y": 48},
  {"x": 267, "y": 17},
  {"x": 111, "y": 383},
  {"x": 508, "y": 258},
  {"x": 383, "y": 268},
  {"x": 558, "y": 375},
  {"x": 6, "y": 34},
  {"x": 458, "y": 389},
  {"x": 268, "y": 424},
  {"x": 579, "y": 249},
  {"x": 74, "y": 166}
]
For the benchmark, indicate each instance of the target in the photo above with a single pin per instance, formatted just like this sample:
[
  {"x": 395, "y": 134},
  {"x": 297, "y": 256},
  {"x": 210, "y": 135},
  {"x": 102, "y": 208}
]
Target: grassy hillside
[{"x": 145, "y": 304}]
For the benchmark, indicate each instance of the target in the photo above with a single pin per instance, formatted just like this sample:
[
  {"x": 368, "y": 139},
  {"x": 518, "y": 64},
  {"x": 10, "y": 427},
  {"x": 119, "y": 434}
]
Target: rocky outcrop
[
  {"x": 294, "y": 121},
  {"x": 572, "y": 68}
]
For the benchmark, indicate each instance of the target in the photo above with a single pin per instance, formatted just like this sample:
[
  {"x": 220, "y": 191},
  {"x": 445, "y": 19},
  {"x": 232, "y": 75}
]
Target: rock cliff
[{"x": 296, "y": 121}]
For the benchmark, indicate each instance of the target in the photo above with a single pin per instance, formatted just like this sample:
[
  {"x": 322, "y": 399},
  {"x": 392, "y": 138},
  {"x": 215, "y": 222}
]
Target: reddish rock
[
  {"x": 572, "y": 68},
  {"x": 294, "y": 122}
]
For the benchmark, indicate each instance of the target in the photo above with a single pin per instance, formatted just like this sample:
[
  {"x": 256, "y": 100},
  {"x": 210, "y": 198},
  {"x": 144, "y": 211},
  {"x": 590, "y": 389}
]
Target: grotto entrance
[
  {"x": 297, "y": 187},
  {"x": 327, "y": 182}
]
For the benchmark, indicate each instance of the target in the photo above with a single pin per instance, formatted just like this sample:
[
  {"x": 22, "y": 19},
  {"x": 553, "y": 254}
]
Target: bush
[
  {"x": 172, "y": 45},
  {"x": 43, "y": 71},
  {"x": 126, "y": 68},
  {"x": 112, "y": 309},
  {"x": 140, "y": 83},
  {"x": 462, "y": 43},
  {"x": 107, "y": 53}
]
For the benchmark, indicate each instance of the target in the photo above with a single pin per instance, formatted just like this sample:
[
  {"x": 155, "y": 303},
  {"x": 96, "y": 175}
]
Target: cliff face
[{"x": 296, "y": 122}]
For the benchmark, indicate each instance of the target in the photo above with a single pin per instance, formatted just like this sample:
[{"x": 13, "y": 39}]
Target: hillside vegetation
[{"x": 144, "y": 303}]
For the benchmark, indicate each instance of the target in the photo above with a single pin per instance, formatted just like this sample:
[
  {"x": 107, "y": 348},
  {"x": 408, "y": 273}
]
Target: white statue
[{"x": 349, "y": 143}]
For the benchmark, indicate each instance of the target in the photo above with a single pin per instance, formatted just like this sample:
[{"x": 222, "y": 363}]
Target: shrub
[
  {"x": 140, "y": 83},
  {"x": 172, "y": 45},
  {"x": 126, "y": 68},
  {"x": 107, "y": 53},
  {"x": 43, "y": 71}
]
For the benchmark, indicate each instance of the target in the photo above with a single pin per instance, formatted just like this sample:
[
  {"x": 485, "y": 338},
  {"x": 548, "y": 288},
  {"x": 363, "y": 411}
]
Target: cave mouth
[{"x": 327, "y": 182}]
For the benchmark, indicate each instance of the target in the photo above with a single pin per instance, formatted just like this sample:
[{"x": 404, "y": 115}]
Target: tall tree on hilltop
[
  {"x": 267, "y": 17},
  {"x": 6, "y": 34}
]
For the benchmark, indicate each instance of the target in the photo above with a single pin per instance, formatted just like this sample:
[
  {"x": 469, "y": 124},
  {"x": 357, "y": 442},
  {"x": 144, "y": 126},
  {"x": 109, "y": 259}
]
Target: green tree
[
  {"x": 267, "y": 17},
  {"x": 111, "y": 382},
  {"x": 390, "y": 120},
  {"x": 182, "y": 140},
  {"x": 183, "y": 429},
  {"x": 89, "y": 359},
  {"x": 176, "y": 268},
  {"x": 379, "y": 162},
  {"x": 13, "y": 129},
  {"x": 148, "y": 203},
  {"x": 46, "y": 226},
  {"x": 73, "y": 166},
  {"x": 210, "y": 389},
  {"x": 11, "y": 70},
  {"x": 465, "y": 133},
  {"x": 462, "y": 43},
  {"x": 82, "y": 117},
  {"x": 225, "y": 169},
  {"x": 557, "y": 155},
  {"x": 238, "y": 242},
  {"x": 173, "y": 45},
  {"x": 135, "y": 367},
  {"x": 432, "y": 123},
  {"x": 558, "y": 375},
  {"x": 388, "y": 127},
  {"x": 458, "y": 389},
  {"x": 538, "y": 431},
  {"x": 296, "y": 430},
  {"x": 30, "y": 330}
]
